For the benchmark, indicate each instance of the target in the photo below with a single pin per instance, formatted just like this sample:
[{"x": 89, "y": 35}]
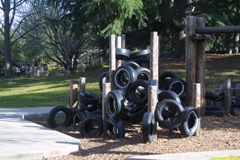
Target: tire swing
[
  {"x": 122, "y": 53},
  {"x": 124, "y": 76},
  {"x": 58, "y": 119},
  {"x": 114, "y": 104},
  {"x": 114, "y": 128},
  {"x": 148, "y": 127},
  {"x": 190, "y": 121},
  {"x": 172, "y": 121},
  {"x": 91, "y": 126},
  {"x": 78, "y": 116}
]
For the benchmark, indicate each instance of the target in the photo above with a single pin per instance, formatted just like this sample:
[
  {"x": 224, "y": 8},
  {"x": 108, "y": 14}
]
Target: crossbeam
[{"x": 219, "y": 29}]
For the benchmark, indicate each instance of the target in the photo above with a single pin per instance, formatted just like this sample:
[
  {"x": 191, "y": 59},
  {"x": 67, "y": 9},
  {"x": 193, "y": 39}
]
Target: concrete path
[{"x": 22, "y": 139}]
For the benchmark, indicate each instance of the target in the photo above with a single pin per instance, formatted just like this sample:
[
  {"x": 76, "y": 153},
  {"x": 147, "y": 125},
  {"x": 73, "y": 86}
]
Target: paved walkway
[{"x": 23, "y": 140}]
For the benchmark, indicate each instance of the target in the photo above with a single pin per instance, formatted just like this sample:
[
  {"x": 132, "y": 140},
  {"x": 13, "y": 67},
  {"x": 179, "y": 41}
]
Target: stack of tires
[{"x": 214, "y": 110}]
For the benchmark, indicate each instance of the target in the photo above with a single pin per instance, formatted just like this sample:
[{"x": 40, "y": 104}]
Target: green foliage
[{"x": 93, "y": 66}]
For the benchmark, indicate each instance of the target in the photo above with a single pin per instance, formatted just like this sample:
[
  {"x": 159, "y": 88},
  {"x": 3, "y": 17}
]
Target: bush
[{"x": 93, "y": 66}]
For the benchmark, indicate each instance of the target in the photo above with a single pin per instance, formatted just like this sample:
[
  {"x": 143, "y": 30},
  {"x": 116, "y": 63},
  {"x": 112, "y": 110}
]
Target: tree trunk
[
  {"x": 7, "y": 43},
  {"x": 179, "y": 46}
]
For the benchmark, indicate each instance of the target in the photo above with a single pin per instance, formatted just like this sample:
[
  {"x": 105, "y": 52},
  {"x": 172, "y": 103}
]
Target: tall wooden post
[
  {"x": 106, "y": 89},
  {"x": 73, "y": 94},
  {"x": 112, "y": 59},
  {"x": 227, "y": 98},
  {"x": 123, "y": 41},
  {"x": 197, "y": 95},
  {"x": 82, "y": 82},
  {"x": 118, "y": 45},
  {"x": 190, "y": 60},
  {"x": 200, "y": 65}
]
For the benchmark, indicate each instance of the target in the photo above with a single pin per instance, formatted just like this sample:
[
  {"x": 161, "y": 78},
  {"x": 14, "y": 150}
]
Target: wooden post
[
  {"x": 190, "y": 60},
  {"x": 82, "y": 82},
  {"x": 123, "y": 41},
  {"x": 154, "y": 56},
  {"x": 83, "y": 67},
  {"x": 200, "y": 64},
  {"x": 112, "y": 59},
  {"x": 41, "y": 64},
  {"x": 73, "y": 94},
  {"x": 197, "y": 104},
  {"x": 118, "y": 45},
  {"x": 227, "y": 92},
  {"x": 106, "y": 88}
]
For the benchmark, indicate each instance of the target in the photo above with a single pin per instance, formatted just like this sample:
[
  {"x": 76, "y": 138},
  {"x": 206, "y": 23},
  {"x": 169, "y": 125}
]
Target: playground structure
[{"x": 194, "y": 74}]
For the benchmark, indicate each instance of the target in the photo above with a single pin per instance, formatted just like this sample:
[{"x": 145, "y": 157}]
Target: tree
[{"x": 14, "y": 12}]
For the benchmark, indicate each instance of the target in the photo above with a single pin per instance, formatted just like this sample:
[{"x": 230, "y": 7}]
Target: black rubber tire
[
  {"x": 190, "y": 121},
  {"x": 148, "y": 127},
  {"x": 143, "y": 73},
  {"x": 120, "y": 73},
  {"x": 177, "y": 118},
  {"x": 88, "y": 98},
  {"x": 168, "y": 95},
  {"x": 143, "y": 62},
  {"x": 140, "y": 98},
  {"x": 139, "y": 54},
  {"x": 114, "y": 104},
  {"x": 88, "y": 107},
  {"x": 87, "y": 127},
  {"x": 132, "y": 64},
  {"x": 136, "y": 114},
  {"x": 176, "y": 85},
  {"x": 122, "y": 53},
  {"x": 236, "y": 105},
  {"x": 214, "y": 111},
  {"x": 51, "y": 116},
  {"x": 214, "y": 108},
  {"x": 96, "y": 112},
  {"x": 233, "y": 111},
  {"x": 162, "y": 79},
  {"x": 116, "y": 127},
  {"x": 100, "y": 101},
  {"x": 214, "y": 96},
  {"x": 78, "y": 116},
  {"x": 100, "y": 81}
]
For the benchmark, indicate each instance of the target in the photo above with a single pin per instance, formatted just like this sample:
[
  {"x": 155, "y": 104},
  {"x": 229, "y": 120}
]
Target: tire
[
  {"x": 136, "y": 114},
  {"x": 91, "y": 126},
  {"x": 123, "y": 54},
  {"x": 176, "y": 120},
  {"x": 88, "y": 98},
  {"x": 138, "y": 92},
  {"x": 114, "y": 104},
  {"x": 100, "y": 101},
  {"x": 214, "y": 96},
  {"x": 88, "y": 107},
  {"x": 143, "y": 73},
  {"x": 168, "y": 95},
  {"x": 121, "y": 73},
  {"x": 51, "y": 116},
  {"x": 233, "y": 111},
  {"x": 115, "y": 127},
  {"x": 100, "y": 81},
  {"x": 148, "y": 127},
  {"x": 236, "y": 105},
  {"x": 176, "y": 85},
  {"x": 132, "y": 64},
  {"x": 96, "y": 112},
  {"x": 162, "y": 79},
  {"x": 190, "y": 121},
  {"x": 139, "y": 54},
  {"x": 214, "y": 111},
  {"x": 143, "y": 62},
  {"x": 79, "y": 115}
]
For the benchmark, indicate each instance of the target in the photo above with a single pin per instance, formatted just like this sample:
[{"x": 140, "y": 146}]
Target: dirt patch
[{"x": 218, "y": 133}]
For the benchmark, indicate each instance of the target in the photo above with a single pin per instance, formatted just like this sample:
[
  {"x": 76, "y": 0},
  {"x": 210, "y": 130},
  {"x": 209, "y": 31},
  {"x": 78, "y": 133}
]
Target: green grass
[
  {"x": 226, "y": 158},
  {"x": 44, "y": 91}
]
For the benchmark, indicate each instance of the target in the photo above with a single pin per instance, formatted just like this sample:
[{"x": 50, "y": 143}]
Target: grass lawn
[{"x": 55, "y": 90}]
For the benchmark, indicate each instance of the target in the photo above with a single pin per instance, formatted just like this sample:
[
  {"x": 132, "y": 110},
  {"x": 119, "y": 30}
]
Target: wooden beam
[
  {"x": 112, "y": 59},
  {"x": 227, "y": 94},
  {"x": 118, "y": 45},
  {"x": 197, "y": 104},
  {"x": 106, "y": 89},
  {"x": 73, "y": 94},
  {"x": 190, "y": 64},
  {"x": 220, "y": 29}
]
